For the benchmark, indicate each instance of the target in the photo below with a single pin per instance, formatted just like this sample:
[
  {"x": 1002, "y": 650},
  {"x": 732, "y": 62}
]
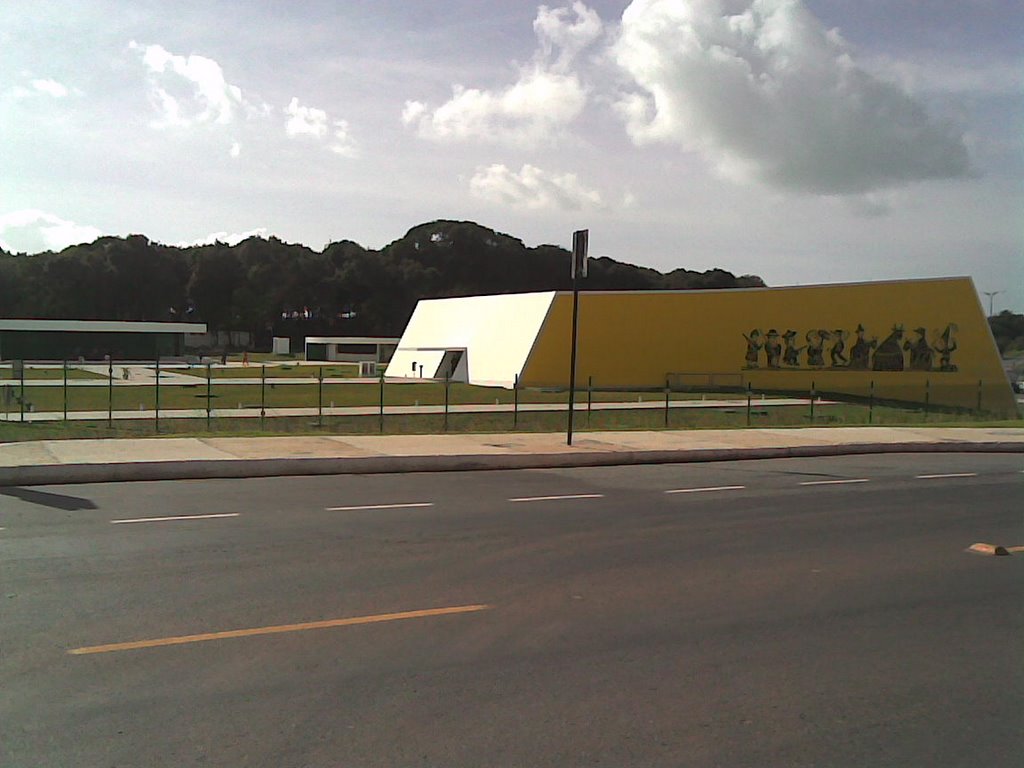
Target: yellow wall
[{"x": 698, "y": 338}]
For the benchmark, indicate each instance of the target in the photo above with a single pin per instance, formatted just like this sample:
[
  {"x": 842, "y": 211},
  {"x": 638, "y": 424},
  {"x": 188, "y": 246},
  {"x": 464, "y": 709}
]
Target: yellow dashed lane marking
[{"x": 348, "y": 622}]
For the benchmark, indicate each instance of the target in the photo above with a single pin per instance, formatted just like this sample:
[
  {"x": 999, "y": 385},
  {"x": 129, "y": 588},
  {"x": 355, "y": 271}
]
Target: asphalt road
[{"x": 788, "y": 612}]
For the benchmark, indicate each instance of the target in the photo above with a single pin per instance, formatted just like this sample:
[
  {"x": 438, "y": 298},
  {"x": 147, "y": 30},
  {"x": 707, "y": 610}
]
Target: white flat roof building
[
  {"x": 32, "y": 339},
  {"x": 352, "y": 349}
]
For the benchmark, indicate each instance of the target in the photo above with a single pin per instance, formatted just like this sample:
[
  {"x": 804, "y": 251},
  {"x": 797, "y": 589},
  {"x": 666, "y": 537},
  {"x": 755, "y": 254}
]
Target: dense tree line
[
  {"x": 1008, "y": 331},
  {"x": 272, "y": 287}
]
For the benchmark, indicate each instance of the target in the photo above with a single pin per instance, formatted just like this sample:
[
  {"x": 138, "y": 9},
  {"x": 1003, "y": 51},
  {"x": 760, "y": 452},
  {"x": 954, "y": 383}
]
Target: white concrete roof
[
  {"x": 100, "y": 326},
  {"x": 498, "y": 332},
  {"x": 352, "y": 340}
]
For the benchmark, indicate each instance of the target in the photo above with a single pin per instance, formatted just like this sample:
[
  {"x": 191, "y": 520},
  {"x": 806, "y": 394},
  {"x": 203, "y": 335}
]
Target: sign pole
[{"x": 579, "y": 269}]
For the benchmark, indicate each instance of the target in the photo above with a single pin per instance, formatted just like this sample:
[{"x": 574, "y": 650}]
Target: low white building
[{"x": 368, "y": 351}]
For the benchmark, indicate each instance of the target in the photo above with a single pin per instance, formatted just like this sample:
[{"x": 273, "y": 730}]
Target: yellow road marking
[{"x": 182, "y": 639}]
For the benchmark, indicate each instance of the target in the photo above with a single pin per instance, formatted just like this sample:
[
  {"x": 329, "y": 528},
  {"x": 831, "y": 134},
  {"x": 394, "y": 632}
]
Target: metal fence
[{"x": 170, "y": 396}]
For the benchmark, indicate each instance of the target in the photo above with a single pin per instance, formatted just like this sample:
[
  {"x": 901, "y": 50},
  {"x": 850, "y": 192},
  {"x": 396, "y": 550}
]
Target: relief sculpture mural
[{"x": 895, "y": 352}]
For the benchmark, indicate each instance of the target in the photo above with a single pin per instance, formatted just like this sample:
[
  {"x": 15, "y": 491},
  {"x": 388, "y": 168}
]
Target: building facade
[
  {"x": 92, "y": 339},
  {"x": 908, "y": 341}
]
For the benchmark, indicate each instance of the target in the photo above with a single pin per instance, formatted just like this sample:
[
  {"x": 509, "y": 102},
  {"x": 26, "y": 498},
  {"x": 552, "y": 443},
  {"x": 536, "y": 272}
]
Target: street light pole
[
  {"x": 991, "y": 295},
  {"x": 579, "y": 269}
]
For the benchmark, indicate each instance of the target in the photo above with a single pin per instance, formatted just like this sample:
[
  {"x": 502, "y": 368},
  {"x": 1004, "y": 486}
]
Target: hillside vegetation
[{"x": 269, "y": 286}]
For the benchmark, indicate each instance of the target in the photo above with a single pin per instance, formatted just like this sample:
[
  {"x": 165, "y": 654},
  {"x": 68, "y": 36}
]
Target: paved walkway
[{"x": 56, "y": 461}]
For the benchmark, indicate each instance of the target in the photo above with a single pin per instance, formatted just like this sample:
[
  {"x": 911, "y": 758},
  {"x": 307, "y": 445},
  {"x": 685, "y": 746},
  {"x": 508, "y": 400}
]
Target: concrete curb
[{"x": 66, "y": 474}]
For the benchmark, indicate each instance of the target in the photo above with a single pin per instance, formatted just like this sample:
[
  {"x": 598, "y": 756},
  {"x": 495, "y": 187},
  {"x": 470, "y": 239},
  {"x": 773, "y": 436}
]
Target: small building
[
  {"x": 368, "y": 351},
  {"x": 93, "y": 339}
]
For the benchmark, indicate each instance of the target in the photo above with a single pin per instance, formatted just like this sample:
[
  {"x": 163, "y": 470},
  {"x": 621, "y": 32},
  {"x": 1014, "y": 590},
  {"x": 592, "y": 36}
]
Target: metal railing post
[
  {"x": 263, "y": 393},
  {"x": 380, "y": 423},
  {"x": 871, "y": 403},
  {"x": 110, "y": 391},
  {"x": 812, "y": 402},
  {"x": 320, "y": 399},
  {"x": 156, "y": 397},
  {"x": 979, "y": 397},
  {"x": 209, "y": 387},
  {"x": 446, "y": 380},
  {"x": 666, "y": 402},
  {"x": 22, "y": 395},
  {"x": 749, "y": 392},
  {"x": 590, "y": 396},
  {"x": 515, "y": 402},
  {"x": 927, "y": 397}
]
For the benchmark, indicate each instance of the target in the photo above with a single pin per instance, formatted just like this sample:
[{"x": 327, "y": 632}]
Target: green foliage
[
  {"x": 272, "y": 287},
  {"x": 1008, "y": 331}
]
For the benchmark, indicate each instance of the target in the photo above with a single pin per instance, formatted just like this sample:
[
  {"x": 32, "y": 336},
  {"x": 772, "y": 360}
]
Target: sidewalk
[{"x": 78, "y": 461}]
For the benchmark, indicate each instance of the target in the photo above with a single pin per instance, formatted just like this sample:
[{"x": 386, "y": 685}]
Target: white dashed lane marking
[
  {"x": 560, "y": 498},
  {"x": 408, "y": 505},
  {"x": 708, "y": 489},
  {"x": 948, "y": 474},
  {"x": 836, "y": 482},
  {"x": 175, "y": 517}
]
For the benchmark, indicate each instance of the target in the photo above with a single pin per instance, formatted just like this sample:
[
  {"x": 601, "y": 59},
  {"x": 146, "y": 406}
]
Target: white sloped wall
[{"x": 497, "y": 333}]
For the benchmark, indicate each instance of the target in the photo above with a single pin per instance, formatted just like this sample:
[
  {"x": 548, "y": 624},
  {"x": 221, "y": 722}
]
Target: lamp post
[
  {"x": 579, "y": 269},
  {"x": 991, "y": 295}
]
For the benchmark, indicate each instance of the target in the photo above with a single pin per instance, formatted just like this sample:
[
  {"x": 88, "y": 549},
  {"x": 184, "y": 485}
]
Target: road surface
[{"x": 788, "y": 612}]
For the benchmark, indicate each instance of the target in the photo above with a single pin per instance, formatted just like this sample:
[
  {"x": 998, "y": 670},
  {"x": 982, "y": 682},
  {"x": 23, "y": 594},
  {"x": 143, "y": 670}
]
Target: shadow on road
[{"x": 54, "y": 500}]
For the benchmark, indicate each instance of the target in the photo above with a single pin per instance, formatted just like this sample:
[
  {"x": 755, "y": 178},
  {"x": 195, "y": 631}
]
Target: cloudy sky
[{"x": 804, "y": 141}]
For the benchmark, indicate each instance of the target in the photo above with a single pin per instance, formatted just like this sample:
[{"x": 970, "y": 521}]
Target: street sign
[{"x": 579, "y": 252}]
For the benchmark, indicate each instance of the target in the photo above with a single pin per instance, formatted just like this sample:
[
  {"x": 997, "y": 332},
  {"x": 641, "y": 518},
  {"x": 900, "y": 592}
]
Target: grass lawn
[
  {"x": 48, "y": 374},
  {"x": 172, "y": 396},
  {"x": 283, "y": 370},
  {"x": 706, "y": 418}
]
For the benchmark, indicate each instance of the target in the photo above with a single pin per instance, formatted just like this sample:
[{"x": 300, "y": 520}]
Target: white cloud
[
  {"x": 563, "y": 37},
  {"x": 768, "y": 94},
  {"x": 51, "y": 88},
  {"x": 32, "y": 231},
  {"x": 532, "y": 188},
  {"x": 188, "y": 90},
  {"x": 46, "y": 86},
  {"x": 950, "y": 74},
  {"x": 532, "y": 110},
  {"x": 343, "y": 144},
  {"x": 236, "y": 149},
  {"x": 315, "y": 123},
  {"x": 224, "y": 237},
  {"x": 545, "y": 98},
  {"x": 305, "y": 121}
]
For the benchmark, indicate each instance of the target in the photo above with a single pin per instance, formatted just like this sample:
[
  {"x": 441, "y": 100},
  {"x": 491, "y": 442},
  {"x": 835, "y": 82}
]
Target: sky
[{"x": 805, "y": 141}]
